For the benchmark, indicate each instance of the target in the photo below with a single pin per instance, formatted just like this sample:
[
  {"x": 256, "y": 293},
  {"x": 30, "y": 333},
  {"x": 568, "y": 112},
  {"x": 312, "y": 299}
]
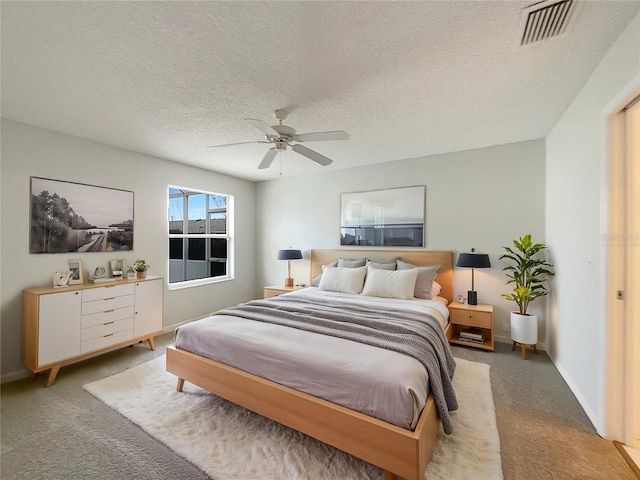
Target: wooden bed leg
[
  {"x": 180, "y": 385},
  {"x": 390, "y": 476}
]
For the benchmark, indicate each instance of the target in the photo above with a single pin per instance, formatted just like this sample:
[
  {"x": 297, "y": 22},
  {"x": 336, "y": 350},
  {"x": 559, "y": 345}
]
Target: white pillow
[
  {"x": 435, "y": 289},
  {"x": 390, "y": 283},
  {"x": 315, "y": 281},
  {"x": 343, "y": 279}
]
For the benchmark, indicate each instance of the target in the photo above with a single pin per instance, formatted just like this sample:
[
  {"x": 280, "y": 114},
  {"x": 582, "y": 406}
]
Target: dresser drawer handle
[
  {"x": 110, "y": 298},
  {"x": 109, "y": 323},
  {"x": 108, "y": 311},
  {"x": 110, "y": 335}
]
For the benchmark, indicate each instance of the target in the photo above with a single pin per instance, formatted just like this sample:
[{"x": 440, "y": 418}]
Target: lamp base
[
  {"x": 288, "y": 282},
  {"x": 472, "y": 297}
]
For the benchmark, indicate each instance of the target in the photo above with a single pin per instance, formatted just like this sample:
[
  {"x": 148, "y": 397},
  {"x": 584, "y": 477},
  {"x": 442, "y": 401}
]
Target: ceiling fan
[{"x": 281, "y": 137}]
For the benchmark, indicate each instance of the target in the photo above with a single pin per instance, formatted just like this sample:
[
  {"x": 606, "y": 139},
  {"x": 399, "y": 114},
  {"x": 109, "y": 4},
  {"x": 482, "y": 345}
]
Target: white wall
[
  {"x": 576, "y": 223},
  {"x": 29, "y": 151},
  {"x": 479, "y": 198}
]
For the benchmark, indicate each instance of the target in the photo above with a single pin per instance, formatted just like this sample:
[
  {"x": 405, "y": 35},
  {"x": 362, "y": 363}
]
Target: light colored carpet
[{"x": 229, "y": 442}]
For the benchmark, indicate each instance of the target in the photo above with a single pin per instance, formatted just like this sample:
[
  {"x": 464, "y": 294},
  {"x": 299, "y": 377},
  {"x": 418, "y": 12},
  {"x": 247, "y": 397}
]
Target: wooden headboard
[{"x": 444, "y": 258}]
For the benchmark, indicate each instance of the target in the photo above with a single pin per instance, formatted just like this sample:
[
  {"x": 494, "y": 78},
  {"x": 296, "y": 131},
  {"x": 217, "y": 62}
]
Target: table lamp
[
  {"x": 472, "y": 261},
  {"x": 289, "y": 255}
]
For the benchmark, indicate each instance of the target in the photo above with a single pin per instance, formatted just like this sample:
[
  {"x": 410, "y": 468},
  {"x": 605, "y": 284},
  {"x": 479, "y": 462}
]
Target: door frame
[{"x": 622, "y": 411}]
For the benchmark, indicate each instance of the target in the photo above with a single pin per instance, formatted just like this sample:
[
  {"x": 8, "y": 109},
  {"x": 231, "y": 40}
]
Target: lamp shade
[
  {"x": 289, "y": 254},
  {"x": 473, "y": 260}
]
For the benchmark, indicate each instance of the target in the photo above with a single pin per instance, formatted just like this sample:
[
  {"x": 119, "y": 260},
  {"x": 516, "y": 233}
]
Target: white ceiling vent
[{"x": 547, "y": 19}]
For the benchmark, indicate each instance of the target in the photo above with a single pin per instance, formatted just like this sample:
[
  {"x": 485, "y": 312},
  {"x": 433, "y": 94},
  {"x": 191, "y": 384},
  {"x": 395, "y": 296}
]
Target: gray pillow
[
  {"x": 381, "y": 266},
  {"x": 350, "y": 263},
  {"x": 426, "y": 276}
]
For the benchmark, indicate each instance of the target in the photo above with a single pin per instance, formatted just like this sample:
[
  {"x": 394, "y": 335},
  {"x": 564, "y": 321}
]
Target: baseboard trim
[
  {"x": 13, "y": 376},
  {"x": 501, "y": 339}
]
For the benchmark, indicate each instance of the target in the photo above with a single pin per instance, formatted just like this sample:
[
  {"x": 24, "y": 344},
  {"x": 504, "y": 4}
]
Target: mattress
[{"x": 384, "y": 384}]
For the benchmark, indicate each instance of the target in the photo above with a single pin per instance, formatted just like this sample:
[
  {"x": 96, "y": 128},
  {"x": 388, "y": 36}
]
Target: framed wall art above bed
[{"x": 383, "y": 218}]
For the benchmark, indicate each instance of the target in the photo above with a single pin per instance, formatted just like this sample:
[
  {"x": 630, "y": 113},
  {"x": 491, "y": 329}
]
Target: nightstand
[
  {"x": 474, "y": 320},
  {"x": 275, "y": 291}
]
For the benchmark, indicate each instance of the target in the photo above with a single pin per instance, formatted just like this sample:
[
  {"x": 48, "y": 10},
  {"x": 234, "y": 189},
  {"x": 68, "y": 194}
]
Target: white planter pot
[{"x": 524, "y": 328}]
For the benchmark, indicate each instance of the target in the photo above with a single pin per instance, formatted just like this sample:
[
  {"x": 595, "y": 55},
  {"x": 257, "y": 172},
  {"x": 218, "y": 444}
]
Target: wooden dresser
[{"x": 65, "y": 325}]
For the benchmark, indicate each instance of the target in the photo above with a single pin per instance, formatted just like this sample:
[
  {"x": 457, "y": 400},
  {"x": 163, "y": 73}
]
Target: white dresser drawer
[
  {"x": 105, "y": 329},
  {"x": 107, "y": 304},
  {"x": 108, "y": 316},
  {"x": 101, "y": 293},
  {"x": 104, "y": 342}
]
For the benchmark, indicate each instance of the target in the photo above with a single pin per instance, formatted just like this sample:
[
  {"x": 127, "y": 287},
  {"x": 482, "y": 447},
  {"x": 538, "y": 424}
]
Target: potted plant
[
  {"x": 141, "y": 267},
  {"x": 528, "y": 272},
  {"x": 131, "y": 272}
]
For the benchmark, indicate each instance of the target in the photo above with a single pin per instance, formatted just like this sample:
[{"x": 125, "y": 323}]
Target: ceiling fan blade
[
  {"x": 311, "y": 155},
  {"x": 322, "y": 136},
  {"x": 238, "y": 143},
  {"x": 268, "y": 158},
  {"x": 263, "y": 127}
]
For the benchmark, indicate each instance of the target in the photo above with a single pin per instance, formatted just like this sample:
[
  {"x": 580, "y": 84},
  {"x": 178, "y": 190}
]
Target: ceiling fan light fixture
[{"x": 281, "y": 136}]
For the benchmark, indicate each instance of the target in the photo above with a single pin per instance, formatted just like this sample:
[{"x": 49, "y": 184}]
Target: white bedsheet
[{"x": 381, "y": 383}]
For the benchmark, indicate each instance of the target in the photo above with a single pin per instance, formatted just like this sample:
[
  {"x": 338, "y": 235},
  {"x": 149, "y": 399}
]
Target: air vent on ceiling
[{"x": 544, "y": 20}]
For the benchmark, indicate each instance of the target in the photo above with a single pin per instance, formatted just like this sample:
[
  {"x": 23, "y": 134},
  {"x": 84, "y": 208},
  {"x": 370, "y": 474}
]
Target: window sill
[{"x": 198, "y": 282}]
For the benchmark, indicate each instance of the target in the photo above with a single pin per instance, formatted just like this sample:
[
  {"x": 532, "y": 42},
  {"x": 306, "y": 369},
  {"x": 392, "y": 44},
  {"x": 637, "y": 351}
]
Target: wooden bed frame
[{"x": 396, "y": 450}]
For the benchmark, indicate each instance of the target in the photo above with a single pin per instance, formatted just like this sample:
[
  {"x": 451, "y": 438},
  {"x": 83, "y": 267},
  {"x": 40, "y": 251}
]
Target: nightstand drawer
[{"x": 472, "y": 319}]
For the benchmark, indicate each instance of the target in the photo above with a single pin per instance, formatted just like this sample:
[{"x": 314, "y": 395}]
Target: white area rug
[{"x": 229, "y": 442}]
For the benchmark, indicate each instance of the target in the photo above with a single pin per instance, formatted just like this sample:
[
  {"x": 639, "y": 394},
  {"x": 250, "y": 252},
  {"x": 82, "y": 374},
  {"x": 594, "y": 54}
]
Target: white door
[
  {"x": 148, "y": 307},
  {"x": 59, "y": 327}
]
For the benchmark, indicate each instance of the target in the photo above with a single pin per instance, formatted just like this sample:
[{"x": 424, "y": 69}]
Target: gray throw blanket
[{"x": 411, "y": 333}]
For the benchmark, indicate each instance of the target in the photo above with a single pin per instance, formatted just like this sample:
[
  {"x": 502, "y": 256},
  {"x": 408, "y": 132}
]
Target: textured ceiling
[{"x": 404, "y": 79}]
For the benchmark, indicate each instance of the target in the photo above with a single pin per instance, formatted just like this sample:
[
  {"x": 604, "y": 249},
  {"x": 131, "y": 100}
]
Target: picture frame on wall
[
  {"x": 77, "y": 273},
  {"x": 391, "y": 217},
  {"x": 75, "y": 217}
]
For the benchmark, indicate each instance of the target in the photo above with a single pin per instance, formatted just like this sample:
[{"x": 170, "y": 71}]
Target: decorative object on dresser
[
  {"x": 99, "y": 276},
  {"x": 471, "y": 325},
  {"x": 289, "y": 255},
  {"x": 131, "y": 272},
  {"x": 118, "y": 267},
  {"x": 473, "y": 260},
  {"x": 60, "y": 327},
  {"x": 528, "y": 273},
  {"x": 61, "y": 279},
  {"x": 77, "y": 273},
  {"x": 141, "y": 267}
]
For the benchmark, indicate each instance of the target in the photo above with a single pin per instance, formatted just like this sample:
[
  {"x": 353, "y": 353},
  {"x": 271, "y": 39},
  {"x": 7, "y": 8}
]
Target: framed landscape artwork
[
  {"x": 383, "y": 218},
  {"x": 74, "y": 217}
]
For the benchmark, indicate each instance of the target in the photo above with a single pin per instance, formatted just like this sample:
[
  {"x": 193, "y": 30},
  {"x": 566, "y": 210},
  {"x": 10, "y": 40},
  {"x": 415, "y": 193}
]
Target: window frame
[{"x": 228, "y": 236}]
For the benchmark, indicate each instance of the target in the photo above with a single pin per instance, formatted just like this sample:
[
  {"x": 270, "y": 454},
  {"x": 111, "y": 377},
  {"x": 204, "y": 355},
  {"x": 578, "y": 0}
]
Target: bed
[{"x": 399, "y": 450}]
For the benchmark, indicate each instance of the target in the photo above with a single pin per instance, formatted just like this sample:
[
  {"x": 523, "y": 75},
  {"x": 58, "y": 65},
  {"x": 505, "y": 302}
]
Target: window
[{"x": 200, "y": 237}]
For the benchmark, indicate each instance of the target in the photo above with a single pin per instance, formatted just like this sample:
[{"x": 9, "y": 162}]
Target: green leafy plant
[
  {"x": 141, "y": 266},
  {"x": 527, "y": 271}
]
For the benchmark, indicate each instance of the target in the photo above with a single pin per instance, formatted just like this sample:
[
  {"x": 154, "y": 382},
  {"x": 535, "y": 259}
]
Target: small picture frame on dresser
[
  {"x": 118, "y": 268},
  {"x": 77, "y": 275}
]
